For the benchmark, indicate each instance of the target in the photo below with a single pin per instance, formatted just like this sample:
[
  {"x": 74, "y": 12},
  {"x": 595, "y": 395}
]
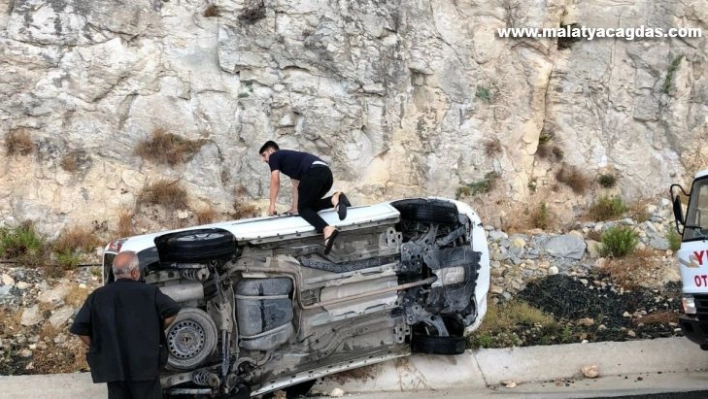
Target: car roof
[{"x": 260, "y": 228}]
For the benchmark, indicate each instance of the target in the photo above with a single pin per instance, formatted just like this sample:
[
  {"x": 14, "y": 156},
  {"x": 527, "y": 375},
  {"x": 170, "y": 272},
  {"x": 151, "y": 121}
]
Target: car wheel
[
  {"x": 438, "y": 345},
  {"x": 430, "y": 213},
  {"x": 196, "y": 245},
  {"x": 191, "y": 338}
]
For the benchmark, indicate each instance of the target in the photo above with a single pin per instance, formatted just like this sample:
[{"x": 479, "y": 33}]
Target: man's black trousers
[{"x": 313, "y": 185}]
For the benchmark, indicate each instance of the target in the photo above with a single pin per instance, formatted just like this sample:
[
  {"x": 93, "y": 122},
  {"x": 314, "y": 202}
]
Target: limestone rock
[
  {"x": 53, "y": 295},
  {"x": 567, "y": 246},
  {"x": 61, "y": 316},
  {"x": 399, "y": 98},
  {"x": 592, "y": 371},
  {"x": 31, "y": 316}
]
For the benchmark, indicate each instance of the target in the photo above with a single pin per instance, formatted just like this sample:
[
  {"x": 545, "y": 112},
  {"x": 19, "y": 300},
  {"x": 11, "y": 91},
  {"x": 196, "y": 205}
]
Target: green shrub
[
  {"x": 607, "y": 208},
  {"x": 674, "y": 240},
  {"x": 479, "y": 187},
  {"x": 540, "y": 217},
  {"x": 619, "y": 241},
  {"x": 68, "y": 260},
  {"x": 22, "y": 244},
  {"x": 607, "y": 180}
]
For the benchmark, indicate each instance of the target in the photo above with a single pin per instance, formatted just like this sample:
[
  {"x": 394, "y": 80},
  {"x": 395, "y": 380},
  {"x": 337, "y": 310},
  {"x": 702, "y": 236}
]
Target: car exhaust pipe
[{"x": 185, "y": 292}]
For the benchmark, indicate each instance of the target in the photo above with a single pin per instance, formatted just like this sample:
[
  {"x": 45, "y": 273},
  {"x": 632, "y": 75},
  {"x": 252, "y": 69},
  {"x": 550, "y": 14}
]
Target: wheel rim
[
  {"x": 186, "y": 339},
  {"x": 198, "y": 237}
]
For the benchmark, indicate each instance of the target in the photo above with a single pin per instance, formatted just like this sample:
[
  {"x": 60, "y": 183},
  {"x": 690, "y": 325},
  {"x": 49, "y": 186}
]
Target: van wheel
[
  {"x": 438, "y": 345},
  {"x": 196, "y": 245}
]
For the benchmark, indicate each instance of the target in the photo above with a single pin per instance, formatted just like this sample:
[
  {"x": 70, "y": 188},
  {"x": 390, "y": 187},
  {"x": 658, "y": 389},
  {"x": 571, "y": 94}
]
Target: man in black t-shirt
[
  {"x": 122, "y": 324},
  {"x": 311, "y": 179}
]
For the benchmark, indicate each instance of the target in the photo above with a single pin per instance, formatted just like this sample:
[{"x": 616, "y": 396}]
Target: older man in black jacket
[{"x": 122, "y": 323}]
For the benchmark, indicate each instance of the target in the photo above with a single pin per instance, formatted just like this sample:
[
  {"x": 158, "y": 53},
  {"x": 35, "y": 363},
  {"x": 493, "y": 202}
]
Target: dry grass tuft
[
  {"x": 125, "y": 223},
  {"x": 492, "y": 147},
  {"x": 631, "y": 271},
  {"x": 69, "y": 163},
  {"x": 508, "y": 315},
  {"x": 75, "y": 239},
  {"x": 659, "y": 318},
  {"x": 638, "y": 211},
  {"x": 606, "y": 208},
  {"x": 244, "y": 210},
  {"x": 541, "y": 216},
  {"x": 168, "y": 193},
  {"x": 167, "y": 148},
  {"x": 18, "y": 141},
  {"x": 572, "y": 177},
  {"x": 212, "y": 10},
  {"x": 75, "y": 295},
  {"x": 205, "y": 215}
]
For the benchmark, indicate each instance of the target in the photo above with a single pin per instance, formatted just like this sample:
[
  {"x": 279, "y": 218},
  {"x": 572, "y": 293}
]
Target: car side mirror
[{"x": 678, "y": 210}]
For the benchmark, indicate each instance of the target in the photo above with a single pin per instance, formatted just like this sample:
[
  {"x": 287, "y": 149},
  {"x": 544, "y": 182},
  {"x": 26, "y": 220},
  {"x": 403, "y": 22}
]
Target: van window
[{"x": 697, "y": 214}]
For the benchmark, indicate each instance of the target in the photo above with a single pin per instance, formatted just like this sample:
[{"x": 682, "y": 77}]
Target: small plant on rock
[
  {"x": 22, "y": 244},
  {"x": 607, "y": 180},
  {"x": 674, "y": 240},
  {"x": 540, "y": 217},
  {"x": 619, "y": 241},
  {"x": 479, "y": 187},
  {"x": 484, "y": 94},
  {"x": 606, "y": 208}
]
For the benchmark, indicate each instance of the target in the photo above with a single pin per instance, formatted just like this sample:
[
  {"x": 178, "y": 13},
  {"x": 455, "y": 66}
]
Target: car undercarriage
[{"x": 273, "y": 312}]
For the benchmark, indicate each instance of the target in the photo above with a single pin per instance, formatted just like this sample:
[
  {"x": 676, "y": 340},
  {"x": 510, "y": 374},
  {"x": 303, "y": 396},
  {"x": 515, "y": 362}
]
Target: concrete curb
[
  {"x": 475, "y": 370},
  {"x": 489, "y": 367}
]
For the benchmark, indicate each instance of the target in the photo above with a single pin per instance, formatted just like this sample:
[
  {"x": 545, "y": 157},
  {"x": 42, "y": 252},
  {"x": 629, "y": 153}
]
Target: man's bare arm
[
  {"x": 296, "y": 183},
  {"x": 274, "y": 189},
  {"x": 168, "y": 321},
  {"x": 85, "y": 339}
]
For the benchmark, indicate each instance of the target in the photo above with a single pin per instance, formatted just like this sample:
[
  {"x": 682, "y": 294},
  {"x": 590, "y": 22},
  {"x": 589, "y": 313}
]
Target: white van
[{"x": 693, "y": 257}]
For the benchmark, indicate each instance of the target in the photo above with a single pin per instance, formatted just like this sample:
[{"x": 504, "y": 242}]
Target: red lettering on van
[
  {"x": 699, "y": 256},
  {"x": 701, "y": 280}
]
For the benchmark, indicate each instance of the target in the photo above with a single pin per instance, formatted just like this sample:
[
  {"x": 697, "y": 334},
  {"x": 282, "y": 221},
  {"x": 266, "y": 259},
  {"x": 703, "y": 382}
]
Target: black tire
[
  {"x": 438, "y": 345},
  {"x": 429, "y": 212},
  {"x": 196, "y": 246},
  {"x": 191, "y": 339}
]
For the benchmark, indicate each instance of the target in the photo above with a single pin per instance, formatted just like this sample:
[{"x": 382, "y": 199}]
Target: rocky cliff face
[{"x": 401, "y": 97}]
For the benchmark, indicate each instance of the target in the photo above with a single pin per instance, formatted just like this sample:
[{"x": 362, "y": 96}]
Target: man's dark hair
[{"x": 268, "y": 144}]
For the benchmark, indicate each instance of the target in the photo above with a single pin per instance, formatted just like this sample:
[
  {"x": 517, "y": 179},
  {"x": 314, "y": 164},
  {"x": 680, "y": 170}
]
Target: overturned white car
[{"x": 264, "y": 309}]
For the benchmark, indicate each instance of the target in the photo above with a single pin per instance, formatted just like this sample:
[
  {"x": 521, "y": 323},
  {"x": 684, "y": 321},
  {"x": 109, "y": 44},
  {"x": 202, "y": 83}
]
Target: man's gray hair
[{"x": 125, "y": 268}]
